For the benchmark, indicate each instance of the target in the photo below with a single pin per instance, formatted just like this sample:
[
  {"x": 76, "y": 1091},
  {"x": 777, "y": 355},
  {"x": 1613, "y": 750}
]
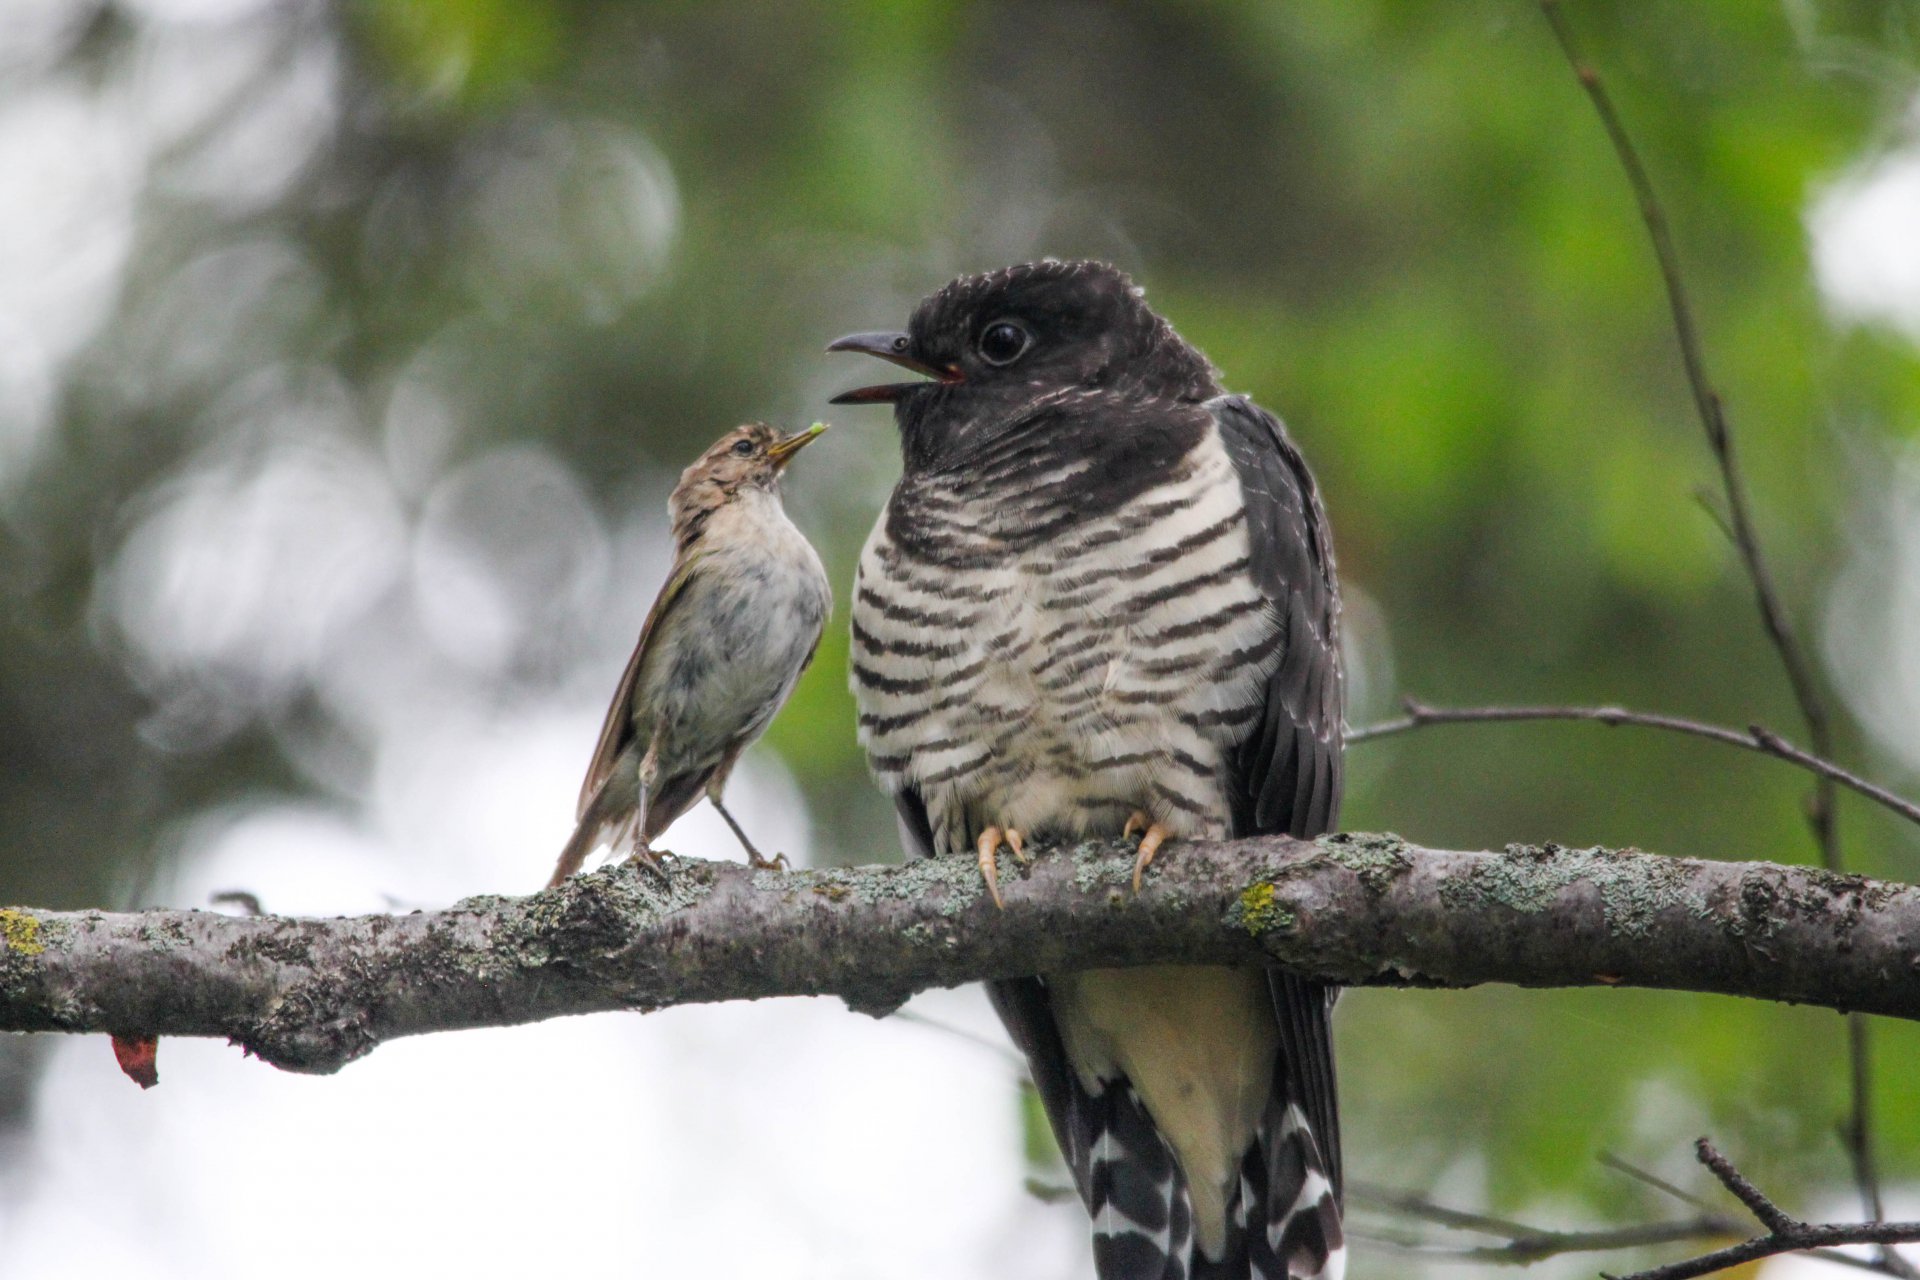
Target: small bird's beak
[
  {"x": 782, "y": 450},
  {"x": 891, "y": 347}
]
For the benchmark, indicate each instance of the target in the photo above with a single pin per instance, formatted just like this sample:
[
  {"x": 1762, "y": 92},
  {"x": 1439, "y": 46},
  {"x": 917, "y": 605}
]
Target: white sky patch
[
  {"x": 234, "y": 112},
  {"x": 508, "y": 547},
  {"x": 219, "y": 316},
  {"x": 1866, "y": 241},
  {"x": 195, "y": 13},
  {"x": 786, "y": 1138},
  {"x": 261, "y": 552},
  {"x": 40, "y": 31},
  {"x": 224, "y": 115},
  {"x": 26, "y": 398},
  {"x": 66, "y": 225},
  {"x": 1871, "y": 627}
]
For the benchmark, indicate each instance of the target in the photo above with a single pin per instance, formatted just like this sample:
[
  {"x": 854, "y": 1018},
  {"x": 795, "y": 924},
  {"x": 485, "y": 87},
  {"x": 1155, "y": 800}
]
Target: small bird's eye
[
  {"x": 743, "y": 447},
  {"x": 1003, "y": 342},
  {"x": 900, "y": 344}
]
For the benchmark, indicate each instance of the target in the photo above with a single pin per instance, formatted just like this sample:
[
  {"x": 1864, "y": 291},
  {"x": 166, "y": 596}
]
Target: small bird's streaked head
[
  {"x": 990, "y": 344},
  {"x": 746, "y": 459}
]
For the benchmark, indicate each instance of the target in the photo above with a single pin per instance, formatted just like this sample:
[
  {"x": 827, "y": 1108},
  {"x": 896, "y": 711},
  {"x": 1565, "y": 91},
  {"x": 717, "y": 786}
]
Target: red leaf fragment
[{"x": 136, "y": 1055}]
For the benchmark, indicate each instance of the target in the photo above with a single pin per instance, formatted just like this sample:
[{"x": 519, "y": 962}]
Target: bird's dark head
[{"x": 991, "y": 346}]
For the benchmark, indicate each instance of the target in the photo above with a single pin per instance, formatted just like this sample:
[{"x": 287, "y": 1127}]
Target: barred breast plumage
[{"x": 1055, "y": 684}]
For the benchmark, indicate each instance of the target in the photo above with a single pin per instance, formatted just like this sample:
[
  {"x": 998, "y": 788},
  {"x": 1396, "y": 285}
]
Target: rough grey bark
[{"x": 314, "y": 994}]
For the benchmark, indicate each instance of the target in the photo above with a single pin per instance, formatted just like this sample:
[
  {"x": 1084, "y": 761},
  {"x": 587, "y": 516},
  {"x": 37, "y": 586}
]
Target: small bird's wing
[
  {"x": 618, "y": 730},
  {"x": 1286, "y": 776}
]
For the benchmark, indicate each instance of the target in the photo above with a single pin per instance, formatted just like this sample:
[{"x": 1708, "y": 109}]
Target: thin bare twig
[
  {"x": 1785, "y": 1233},
  {"x": 1519, "y": 1244},
  {"x": 1371, "y": 1195},
  {"x": 1755, "y": 738},
  {"x": 1524, "y": 1251},
  {"x": 1634, "y": 1171},
  {"x": 998, "y": 1048},
  {"x": 1771, "y": 1215},
  {"x": 1857, "y": 1134}
]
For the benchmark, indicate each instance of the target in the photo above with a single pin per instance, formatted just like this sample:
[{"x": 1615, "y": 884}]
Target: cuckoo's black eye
[
  {"x": 1003, "y": 342},
  {"x": 743, "y": 447}
]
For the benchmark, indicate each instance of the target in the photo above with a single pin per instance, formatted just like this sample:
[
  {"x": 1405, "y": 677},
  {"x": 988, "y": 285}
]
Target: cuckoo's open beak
[
  {"x": 892, "y": 347},
  {"x": 782, "y": 450}
]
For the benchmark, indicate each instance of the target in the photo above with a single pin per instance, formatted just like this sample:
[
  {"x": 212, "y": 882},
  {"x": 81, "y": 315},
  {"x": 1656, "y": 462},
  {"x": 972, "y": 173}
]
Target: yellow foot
[
  {"x": 989, "y": 844},
  {"x": 1152, "y": 836},
  {"x": 778, "y": 862}
]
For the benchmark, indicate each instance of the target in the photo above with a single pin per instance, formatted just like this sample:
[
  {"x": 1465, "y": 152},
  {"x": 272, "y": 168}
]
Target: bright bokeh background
[{"x": 348, "y": 351}]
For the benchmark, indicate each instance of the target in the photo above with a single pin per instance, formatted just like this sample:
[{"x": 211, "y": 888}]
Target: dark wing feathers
[
  {"x": 1288, "y": 774},
  {"x": 1298, "y": 736}
]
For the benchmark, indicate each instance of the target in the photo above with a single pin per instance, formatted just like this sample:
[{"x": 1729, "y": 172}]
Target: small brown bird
[{"x": 729, "y": 635}]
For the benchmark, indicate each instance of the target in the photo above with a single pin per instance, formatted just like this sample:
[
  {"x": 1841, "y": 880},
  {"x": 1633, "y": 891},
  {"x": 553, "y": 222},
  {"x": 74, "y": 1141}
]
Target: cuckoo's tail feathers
[
  {"x": 1297, "y": 1232},
  {"x": 1283, "y": 1219},
  {"x": 1142, "y": 1219}
]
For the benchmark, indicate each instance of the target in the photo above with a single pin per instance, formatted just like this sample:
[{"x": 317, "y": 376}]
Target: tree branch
[{"x": 313, "y": 995}]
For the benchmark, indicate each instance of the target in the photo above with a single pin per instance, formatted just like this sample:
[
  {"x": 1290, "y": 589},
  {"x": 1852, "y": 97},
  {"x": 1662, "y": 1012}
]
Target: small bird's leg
[
  {"x": 989, "y": 844},
  {"x": 649, "y": 775},
  {"x": 778, "y": 862},
  {"x": 1152, "y": 836}
]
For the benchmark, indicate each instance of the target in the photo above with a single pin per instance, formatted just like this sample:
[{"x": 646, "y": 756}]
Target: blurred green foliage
[
  {"x": 468, "y": 54},
  {"x": 1398, "y": 225}
]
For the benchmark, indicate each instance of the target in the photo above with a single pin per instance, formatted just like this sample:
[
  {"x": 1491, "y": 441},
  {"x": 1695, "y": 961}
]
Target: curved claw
[
  {"x": 988, "y": 845},
  {"x": 1153, "y": 835}
]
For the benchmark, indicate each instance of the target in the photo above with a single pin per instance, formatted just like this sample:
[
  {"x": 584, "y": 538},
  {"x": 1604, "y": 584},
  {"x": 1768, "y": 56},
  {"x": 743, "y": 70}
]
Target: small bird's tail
[
  {"x": 596, "y": 825},
  {"x": 585, "y": 836}
]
